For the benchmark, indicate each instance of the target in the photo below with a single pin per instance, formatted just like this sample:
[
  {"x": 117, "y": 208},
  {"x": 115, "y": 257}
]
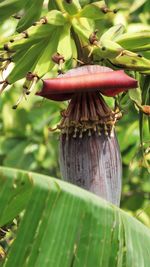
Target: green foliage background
[{"x": 27, "y": 143}]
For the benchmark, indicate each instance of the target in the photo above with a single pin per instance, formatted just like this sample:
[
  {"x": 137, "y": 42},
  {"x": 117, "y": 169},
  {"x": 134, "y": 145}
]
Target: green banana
[
  {"x": 132, "y": 61},
  {"x": 56, "y": 18},
  {"x": 45, "y": 62},
  {"x": 27, "y": 62},
  {"x": 107, "y": 49},
  {"x": 146, "y": 72},
  {"x": 74, "y": 48},
  {"x": 83, "y": 28},
  {"x": 19, "y": 54},
  {"x": 95, "y": 10},
  {"x": 33, "y": 35},
  {"x": 146, "y": 54},
  {"x": 86, "y": 2},
  {"x": 9, "y": 7},
  {"x": 52, "y": 5},
  {"x": 32, "y": 13},
  {"x": 37, "y": 31},
  {"x": 113, "y": 33},
  {"x": 64, "y": 39},
  {"x": 72, "y": 62},
  {"x": 141, "y": 48},
  {"x": 72, "y": 7},
  {"x": 139, "y": 41},
  {"x": 107, "y": 2}
]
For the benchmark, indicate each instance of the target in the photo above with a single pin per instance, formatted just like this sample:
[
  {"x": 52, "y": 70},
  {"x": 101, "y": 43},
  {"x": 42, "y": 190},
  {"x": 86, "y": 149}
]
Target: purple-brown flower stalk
[{"x": 89, "y": 151}]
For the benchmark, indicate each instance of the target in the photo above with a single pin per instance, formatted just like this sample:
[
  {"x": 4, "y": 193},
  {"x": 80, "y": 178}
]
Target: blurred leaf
[
  {"x": 6, "y": 144},
  {"x": 143, "y": 217},
  {"x": 135, "y": 95},
  {"x": 19, "y": 156},
  {"x": 136, "y": 4},
  {"x": 129, "y": 154},
  {"x": 40, "y": 154},
  {"x": 57, "y": 219},
  {"x": 145, "y": 187},
  {"x": 129, "y": 135},
  {"x": 134, "y": 202}
]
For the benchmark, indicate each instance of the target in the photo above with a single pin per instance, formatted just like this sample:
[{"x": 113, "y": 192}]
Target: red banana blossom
[
  {"x": 88, "y": 78},
  {"x": 89, "y": 151}
]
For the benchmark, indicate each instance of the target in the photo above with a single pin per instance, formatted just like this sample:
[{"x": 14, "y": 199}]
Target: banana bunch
[
  {"x": 132, "y": 57},
  {"x": 48, "y": 59},
  {"x": 132, "y": 61},
  {"x": 35, "y": 63},
  {"x": 135, "y": 42},
  {"x": 108, "y": 48},
  {"x": 39, "y": 30},
  {"x": 31, "y": 51},
  {"x": 112, "y": 46},
  {"x": 39, "y": 41}
]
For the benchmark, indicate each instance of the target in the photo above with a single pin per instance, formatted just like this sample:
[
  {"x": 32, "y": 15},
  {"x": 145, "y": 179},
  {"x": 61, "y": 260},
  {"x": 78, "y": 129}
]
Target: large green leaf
[{"x": 64, "y": 225}]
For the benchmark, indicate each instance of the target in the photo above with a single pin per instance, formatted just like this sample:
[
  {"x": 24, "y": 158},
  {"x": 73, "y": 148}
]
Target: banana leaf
[{"x": 63, "y": 225}]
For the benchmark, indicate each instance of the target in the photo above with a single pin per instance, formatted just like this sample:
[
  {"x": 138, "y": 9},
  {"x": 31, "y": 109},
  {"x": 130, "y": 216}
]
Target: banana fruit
[
  {"x": 137, "y": 42},
  {"x": 107, "y": 47},
  {"x": 29, "y": 38},
  {"x": 65, "y": 38},
  {"x": 132, "y": 61},
  {"x": 72, "y": 7},
  {"x": 26, "y": 62},
  {"x": 83, "y": 28},
  {"x": 44, "y": 63},
  {"x": 95, "y": 10},
  {"x": 21, "y": 46},
  {"x": 113, "y": 33},
  {"x": 36, "y": 32},
  {"x": 32, "y": 13},
  {"x": 10, "y": 7}
]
